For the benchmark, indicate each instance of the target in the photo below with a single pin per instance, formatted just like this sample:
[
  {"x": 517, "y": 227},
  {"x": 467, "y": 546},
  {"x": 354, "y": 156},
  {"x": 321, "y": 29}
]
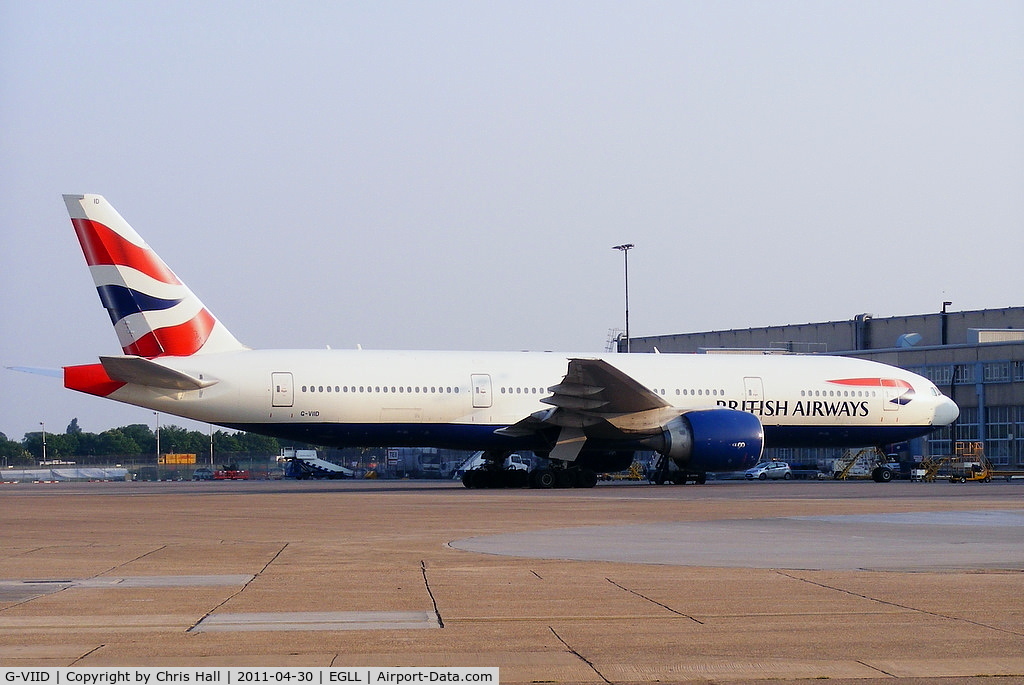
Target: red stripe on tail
[
  {"x": 103, "y": 246},
  {"x": 176, "y": 341}
]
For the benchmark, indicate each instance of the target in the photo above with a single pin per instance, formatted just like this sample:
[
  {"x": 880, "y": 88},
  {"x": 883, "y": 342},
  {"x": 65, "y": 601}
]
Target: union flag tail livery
[
  {"x": 585, "y": 413},
  {"x": 153, "y": 312}
]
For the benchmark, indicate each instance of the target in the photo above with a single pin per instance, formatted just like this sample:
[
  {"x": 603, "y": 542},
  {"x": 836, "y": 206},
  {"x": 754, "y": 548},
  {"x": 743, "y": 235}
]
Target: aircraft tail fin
[{"x": 153, "y": 312}]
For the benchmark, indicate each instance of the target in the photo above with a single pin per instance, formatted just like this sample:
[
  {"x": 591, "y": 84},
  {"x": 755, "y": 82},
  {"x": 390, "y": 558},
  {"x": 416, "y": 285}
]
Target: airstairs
[
  {"x": 867, "y": 462},
  {"x": 854, "y": 463},
  {"x": 303, "y": 464}
]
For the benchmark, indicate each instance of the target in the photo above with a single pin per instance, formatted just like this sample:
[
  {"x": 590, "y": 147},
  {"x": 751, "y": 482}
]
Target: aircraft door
[
  {"x": 281, "y": 389},
  {"x": 753, "y": 391},
  {"x": 892, "y": 389},
  {"x": 481, "y": 390}
]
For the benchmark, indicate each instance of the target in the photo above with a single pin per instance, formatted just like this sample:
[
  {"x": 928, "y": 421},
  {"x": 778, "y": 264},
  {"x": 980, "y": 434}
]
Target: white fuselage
[{"x": 458, "y": 399}]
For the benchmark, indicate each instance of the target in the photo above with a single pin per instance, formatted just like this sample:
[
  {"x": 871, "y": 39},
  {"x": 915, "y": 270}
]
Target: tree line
[{"x": 136, "y": 441}]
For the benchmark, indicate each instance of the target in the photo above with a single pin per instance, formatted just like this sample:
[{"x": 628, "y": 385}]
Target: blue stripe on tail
[{"x": 121, "y": 301}]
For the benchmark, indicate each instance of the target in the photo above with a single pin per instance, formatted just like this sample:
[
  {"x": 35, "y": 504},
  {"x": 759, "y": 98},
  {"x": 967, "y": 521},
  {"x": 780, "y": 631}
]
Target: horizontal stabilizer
[{"x": 142, "y": 371}]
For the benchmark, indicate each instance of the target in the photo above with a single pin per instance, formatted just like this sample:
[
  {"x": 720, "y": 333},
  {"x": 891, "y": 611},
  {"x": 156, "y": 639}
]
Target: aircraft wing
[
  {"x": 594, "y": 395},
  {"x": 594, "y": 385}
]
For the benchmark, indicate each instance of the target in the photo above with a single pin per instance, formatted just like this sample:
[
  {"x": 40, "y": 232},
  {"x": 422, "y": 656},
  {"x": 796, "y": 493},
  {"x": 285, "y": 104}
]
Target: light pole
[
  {"x": 44, "y": 440},
  {"x": 624, "y": 249},
  {"x": 157, "y": 415}
]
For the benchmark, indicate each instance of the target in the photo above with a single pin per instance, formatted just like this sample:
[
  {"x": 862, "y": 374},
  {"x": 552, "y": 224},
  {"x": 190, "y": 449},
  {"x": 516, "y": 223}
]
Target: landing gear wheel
[
  {"x": 543, "y": 479},
  {"x": 586, "y": 478},
  {"x": 565, "y": 478},
  {"x": 516, "y": 478}
]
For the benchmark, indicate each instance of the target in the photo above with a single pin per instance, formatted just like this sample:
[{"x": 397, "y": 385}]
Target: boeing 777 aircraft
[{"x": 586, "y": 413}]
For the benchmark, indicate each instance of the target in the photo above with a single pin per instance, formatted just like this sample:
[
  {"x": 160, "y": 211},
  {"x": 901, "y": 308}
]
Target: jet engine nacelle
[{"x": 713, "y": 440}]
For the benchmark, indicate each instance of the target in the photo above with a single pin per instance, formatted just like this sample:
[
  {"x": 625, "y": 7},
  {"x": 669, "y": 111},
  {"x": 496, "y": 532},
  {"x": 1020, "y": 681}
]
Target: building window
[
  {"x": 963, "y": 373},
  {"x": 1001, "y": 435},
  {"x": 966, "y": 427},
  {"x": 997, "y": 372},
  {"x": 939, "y": 374}
]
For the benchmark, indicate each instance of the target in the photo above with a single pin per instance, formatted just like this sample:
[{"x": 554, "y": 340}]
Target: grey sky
[{"x": 436, "y": 175}]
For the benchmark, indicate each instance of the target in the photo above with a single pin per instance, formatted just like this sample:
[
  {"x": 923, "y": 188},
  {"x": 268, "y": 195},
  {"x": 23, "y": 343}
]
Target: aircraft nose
[{"x": 946, "y": 412}]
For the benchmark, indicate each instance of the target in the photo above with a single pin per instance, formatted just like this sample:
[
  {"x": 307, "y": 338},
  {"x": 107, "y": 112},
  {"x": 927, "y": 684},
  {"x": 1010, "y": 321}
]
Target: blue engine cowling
[{"x": 713, "y": 440}]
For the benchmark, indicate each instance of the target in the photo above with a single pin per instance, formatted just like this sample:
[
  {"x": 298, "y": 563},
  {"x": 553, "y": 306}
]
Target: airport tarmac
[{"x": 727, "y": 582}]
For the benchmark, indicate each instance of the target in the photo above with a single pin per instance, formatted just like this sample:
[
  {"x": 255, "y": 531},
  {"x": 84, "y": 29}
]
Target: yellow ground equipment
[
  {"x": 635, "y": 472},
  {"x": 969, "y": 463},
  {"x": 842, "y": 466},
  {"x": 930, "y": 468}
]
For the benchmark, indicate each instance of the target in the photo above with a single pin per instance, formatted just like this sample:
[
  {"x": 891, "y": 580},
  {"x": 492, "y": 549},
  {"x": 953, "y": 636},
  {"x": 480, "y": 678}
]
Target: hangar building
[{"x": 974, "y": 357}]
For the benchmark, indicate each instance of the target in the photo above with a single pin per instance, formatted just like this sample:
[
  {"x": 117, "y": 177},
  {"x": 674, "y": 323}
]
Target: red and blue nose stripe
[{"x": 897, "y": 384}]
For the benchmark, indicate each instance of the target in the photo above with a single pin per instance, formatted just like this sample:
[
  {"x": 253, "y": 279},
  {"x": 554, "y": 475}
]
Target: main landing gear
[
  {"x": 568, "y": 477},
  {"x": 490, "y": 478},
  {"x": 494, "y": 475}
]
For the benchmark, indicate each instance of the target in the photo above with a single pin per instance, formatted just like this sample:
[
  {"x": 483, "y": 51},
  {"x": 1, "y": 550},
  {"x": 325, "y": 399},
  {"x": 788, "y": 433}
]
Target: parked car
[
  {"x": 769, "y": 469},
  {"x": 202, "y": 473}
]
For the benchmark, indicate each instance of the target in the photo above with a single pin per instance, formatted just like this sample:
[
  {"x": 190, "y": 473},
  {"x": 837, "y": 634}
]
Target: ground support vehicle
[
  {"x": 865, "y": 462},
  {"x": 970, "y": 463}
]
